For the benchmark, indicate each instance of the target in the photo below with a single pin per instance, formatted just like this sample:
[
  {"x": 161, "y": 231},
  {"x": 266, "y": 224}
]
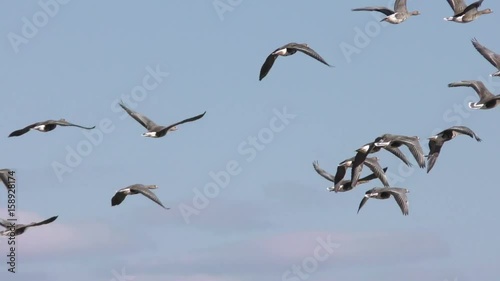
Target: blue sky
[{"x": 266, "y": 213}]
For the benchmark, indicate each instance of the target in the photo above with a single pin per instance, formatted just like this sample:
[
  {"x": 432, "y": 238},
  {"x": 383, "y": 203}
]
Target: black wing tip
[
  {"x": 53, "y": 218},
  {"x": 17, "y": 133}
]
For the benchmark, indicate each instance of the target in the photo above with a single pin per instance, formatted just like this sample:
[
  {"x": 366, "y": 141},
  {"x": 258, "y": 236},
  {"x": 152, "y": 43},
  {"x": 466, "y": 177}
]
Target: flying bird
[
  {"x": 492, "y": 57},
  {"x": 437, "y": 141},
  {"x": 395, "y": 141},
  {"x": 398, "y": 193},
  {"x": 287, "y": 50},
  {"x": 390, "y": 143},
  {"x": 136, "y": 189},
  {"x": 371, "y": 163},
  {"x": 343, "y": 185},
  {"x": 464, "y": 13},
  {"x": 21, "y": 228},
  {"x": 486, "y": 99},
  {"x": 399, "y": 15},
  {"x": 46, "y": 126},
  {"x": 154, "y": 130}
]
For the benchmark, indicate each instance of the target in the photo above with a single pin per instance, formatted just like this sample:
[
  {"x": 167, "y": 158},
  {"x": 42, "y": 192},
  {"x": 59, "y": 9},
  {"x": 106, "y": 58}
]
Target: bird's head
[
  {"x": 174, "y": 128},
  {"x": 415, "y": 13},
  {"x": 487, "y": 11}
]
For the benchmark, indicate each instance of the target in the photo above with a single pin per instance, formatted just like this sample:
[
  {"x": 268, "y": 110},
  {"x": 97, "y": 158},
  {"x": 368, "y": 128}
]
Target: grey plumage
[
  {"x": 396, "y": 16},
  {"x": 371, "y": 163},
  {"x": 486, "y": 99},
  {"x": 343, "y": 185},
  {"x": 466, "y": 13},
  {"x": 46, "y": 126},
  {"x": 136, "y": 189},
  {"x": 436, "y": 142},
  {"x": 154, "y": 130},
  {"x": 287, "y": 50},
  {"x": 390, "y": 143},
  {"x": 489, "y": 55},
  {"x": 398, "y": 193},
  {"x": 21, "y": 228}
]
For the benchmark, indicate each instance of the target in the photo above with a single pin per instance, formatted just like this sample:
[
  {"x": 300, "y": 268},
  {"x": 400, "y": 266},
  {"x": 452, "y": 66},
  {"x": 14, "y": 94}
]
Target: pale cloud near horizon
[
  {"x": 273, "y": 254},
  {"x": 60, "y": 238}
]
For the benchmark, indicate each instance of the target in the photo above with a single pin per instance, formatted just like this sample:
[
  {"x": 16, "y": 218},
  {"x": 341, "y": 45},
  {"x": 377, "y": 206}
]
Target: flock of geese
[
  {"x": 392, "y": 143},
  {"x": 462, "y": 14},
  {"x": 153, "y": 131}
]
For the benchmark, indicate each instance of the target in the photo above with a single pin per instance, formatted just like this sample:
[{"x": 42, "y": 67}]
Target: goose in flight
[
  {"x": 486, "y": 99},
  {"x": 136, "y": 189},
  {"x": 46, "y": 126},
  {"x": 464, "y": 13},
  {"x": 343, "y": 185},
  {"x": 371, "y": 163},
  {"x": 395, "y": 141},
  {"x": 399, "y": 15},
  {"x": 489, "y": 55},
  {"x": 154, "y": 130},
  {"x": 437, "y": 141},
  {"x": 398, "y": 193},
  {"x": 21, "y": 228},
  {"x": 390, "y": 143},
  {"x": 287, "y": 50}
]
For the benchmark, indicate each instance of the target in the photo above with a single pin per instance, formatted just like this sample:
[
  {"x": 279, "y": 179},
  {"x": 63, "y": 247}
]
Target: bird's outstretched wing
[
  {"x": 267, "y": 65},
  {"x": 148, "y": 193},
  {"x": 24, "y": 130},
  {"x": 49, "y": 220},
  {"x": 478, "y": 86},
  {"x": 191, "y": 119},
  {"x": 384, "y": 10},
  {"x": 399, "y": 195},
  {"x": 63, "y": 122},
  {"x": 322, "y": 172},
  {"x": 143, "y": 120},
  {"x": 458, "y": 6},
  {"x": 308, "y": 51}
]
